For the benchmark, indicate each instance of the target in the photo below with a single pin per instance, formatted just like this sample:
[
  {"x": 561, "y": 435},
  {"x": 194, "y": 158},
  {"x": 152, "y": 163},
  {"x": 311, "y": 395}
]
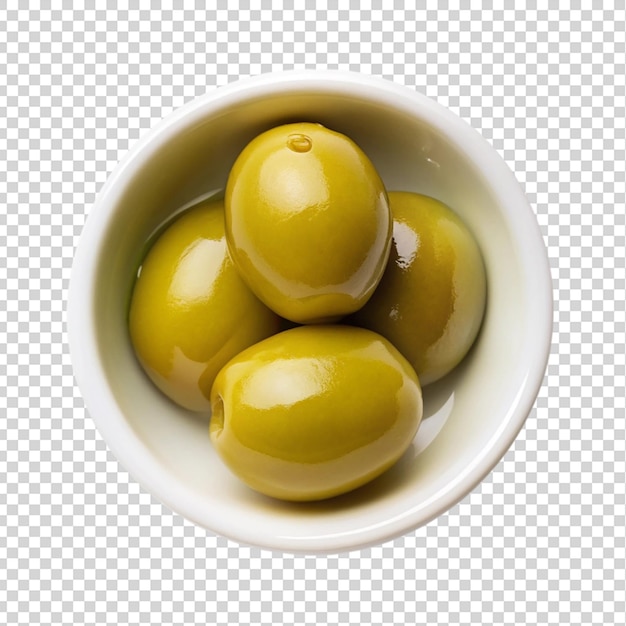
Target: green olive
[
  {"x": 431, "y": 300},
  {"x": 307, "y": 222},
  {"x": 314, "y": 411},
  {"x": 190, "y": 311}
]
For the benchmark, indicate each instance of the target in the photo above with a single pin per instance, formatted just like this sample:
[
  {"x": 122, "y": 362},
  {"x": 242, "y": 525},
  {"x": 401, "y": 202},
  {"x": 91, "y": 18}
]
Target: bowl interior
[{"x": 471, "y": 416}]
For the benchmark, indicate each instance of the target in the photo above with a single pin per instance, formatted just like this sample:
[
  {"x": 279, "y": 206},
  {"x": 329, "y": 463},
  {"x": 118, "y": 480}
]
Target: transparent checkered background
[{"x": 541, "y": 541}]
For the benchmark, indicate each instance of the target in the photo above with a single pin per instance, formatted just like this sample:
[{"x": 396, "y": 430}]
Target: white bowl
[{"x": 471, "y": 417}]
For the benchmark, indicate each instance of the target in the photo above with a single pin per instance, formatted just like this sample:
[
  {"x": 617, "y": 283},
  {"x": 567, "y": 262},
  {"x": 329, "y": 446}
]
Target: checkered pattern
[{"x": 541, "y": 541}]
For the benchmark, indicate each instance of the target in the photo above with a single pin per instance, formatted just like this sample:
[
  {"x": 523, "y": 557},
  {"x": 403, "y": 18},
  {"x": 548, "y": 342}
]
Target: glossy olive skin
[
  {"x": 308, "y": 222},
  {"x": 190, "y": 311},
  {"x": 315, "y": 411},
  {"x": 431, "y": 300}
]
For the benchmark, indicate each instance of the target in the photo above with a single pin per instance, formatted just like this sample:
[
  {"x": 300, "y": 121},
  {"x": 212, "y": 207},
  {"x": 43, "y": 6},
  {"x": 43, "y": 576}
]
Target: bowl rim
[{"x": 88, "y": 369}]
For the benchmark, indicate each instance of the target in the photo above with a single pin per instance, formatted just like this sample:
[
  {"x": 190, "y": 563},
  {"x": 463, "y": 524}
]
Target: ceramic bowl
[{"x": 471, "y": 417}]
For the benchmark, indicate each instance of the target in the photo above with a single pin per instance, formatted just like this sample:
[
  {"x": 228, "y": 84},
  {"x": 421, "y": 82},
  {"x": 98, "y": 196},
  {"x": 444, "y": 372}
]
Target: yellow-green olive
[
  {"x": 190, "y": 311},
  {"x": 431, "y": 299},
  {"x": 307, "y": 222},
  {"x": 314, "y": 411}
]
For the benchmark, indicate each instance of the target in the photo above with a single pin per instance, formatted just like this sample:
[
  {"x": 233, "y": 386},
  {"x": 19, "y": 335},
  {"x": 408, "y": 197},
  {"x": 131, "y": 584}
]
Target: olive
[
  {"x": 307, "y": 222},
  {"x": 314, "y": 411},
  {"x": 431, "y": 300},
  {"x": 190, "y": 311}
]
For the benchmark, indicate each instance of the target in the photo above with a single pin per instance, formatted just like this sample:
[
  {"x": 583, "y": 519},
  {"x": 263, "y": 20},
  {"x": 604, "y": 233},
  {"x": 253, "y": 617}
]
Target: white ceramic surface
[{"x": 471, "y": 417}]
